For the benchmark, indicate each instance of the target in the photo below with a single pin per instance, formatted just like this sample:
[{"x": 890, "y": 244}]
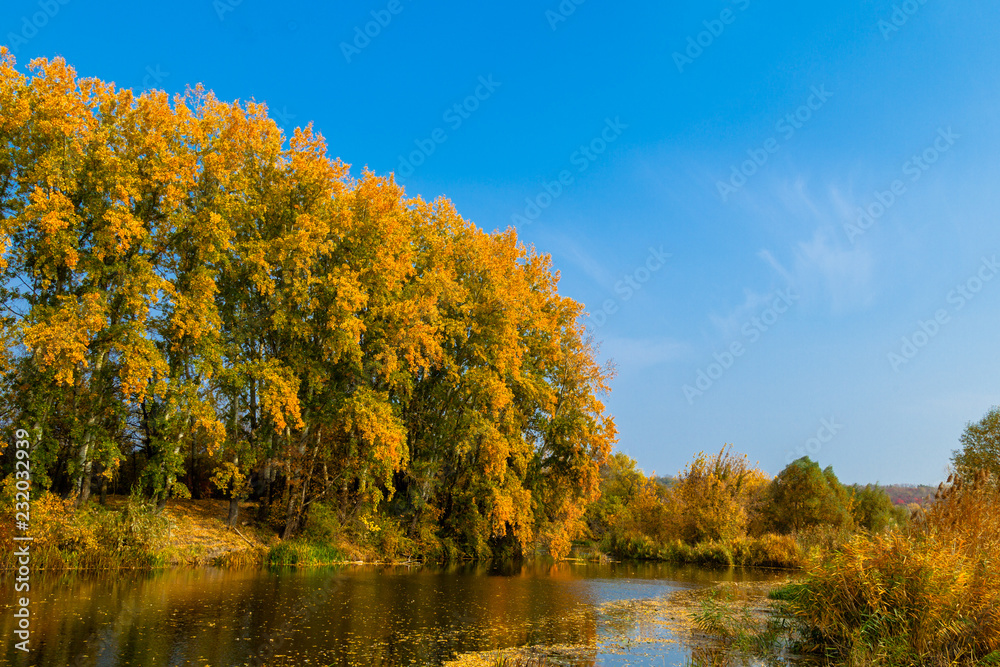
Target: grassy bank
[
  {"x": 129, "y": 533},
  {"x": 923, "y": 595}
]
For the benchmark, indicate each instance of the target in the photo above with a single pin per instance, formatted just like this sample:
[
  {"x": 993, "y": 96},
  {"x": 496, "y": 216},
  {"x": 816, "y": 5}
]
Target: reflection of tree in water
[
  {"x": 393, "y": 616},
  {"x": 380, "y": 616},
  {"x": 279, "y": 636},
  {"x": 83, "y": 628}
]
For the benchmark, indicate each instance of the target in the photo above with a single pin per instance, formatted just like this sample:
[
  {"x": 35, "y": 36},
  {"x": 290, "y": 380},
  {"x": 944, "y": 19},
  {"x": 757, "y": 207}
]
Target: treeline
[
  {"x": 192, "y": 299},
  {"x": 919, "y": 495},
  {"x": 723, "y": 510}
]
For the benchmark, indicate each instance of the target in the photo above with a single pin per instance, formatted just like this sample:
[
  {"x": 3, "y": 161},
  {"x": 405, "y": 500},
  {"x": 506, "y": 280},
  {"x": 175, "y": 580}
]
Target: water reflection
[{"x": 380, "y": 616}]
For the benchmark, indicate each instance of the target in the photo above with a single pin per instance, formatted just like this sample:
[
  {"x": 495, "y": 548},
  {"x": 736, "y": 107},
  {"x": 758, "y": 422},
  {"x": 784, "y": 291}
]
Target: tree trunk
[
  {"x": 290, "y": 520},
  {"x": 234, "y": 512},
  {"x": 234, "y": 498},
  {"x": 193, "y": 476},
  {"x": 268, "y": 479},
  {"x": 82, "y": 483},
  {"x": 169, "y": 477}
]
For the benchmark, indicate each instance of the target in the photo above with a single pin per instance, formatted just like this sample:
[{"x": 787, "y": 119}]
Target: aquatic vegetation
[
  {"x": 744, "y": 620},
  {"x": 924, "y": 595},
  {"x": 723, "y": 625}
]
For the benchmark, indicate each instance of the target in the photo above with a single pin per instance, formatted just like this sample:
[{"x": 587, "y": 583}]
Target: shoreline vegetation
[
  {"x": 718, "y": 512},
  {"x": 217, "y": 346}
]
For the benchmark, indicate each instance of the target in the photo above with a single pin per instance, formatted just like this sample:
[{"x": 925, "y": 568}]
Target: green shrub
[
  {"x": 322, "y": 524},
  {"x": 92, "y": 537}
]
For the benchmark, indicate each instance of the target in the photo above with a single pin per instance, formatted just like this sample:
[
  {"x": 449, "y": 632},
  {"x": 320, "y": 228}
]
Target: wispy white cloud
[
  {"x": 826, "y": 267},
  {"x": 644, "y": 352},
  {"x": 573, "y": 253},
  {"x": 844, "y": 275},
  {"x": 729, "y": 323}
]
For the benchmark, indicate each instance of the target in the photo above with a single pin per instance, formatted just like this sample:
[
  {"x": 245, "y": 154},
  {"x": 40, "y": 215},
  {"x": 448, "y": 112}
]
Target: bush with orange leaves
[
  {"x": 717, "y": 497},
  {"x": 48, "y": 517},
  {"x": 926, "y": 594},
  {"x": 88, "y": 538}
]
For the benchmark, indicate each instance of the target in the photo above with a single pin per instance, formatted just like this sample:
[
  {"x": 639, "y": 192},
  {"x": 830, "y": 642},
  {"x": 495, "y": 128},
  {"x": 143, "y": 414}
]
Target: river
[{"x": 345, "y": 616}]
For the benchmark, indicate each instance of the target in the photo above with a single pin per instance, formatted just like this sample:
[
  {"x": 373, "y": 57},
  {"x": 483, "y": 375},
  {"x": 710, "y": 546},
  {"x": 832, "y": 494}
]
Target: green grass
[{"x": 303, "y": 553}]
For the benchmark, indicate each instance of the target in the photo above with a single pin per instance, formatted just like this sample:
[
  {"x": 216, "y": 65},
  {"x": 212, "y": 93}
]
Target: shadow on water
[{"x": 345, "y": 616}]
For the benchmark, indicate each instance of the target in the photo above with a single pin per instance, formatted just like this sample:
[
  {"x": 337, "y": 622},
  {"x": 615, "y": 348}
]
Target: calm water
[{"x": 333, "y": 616}]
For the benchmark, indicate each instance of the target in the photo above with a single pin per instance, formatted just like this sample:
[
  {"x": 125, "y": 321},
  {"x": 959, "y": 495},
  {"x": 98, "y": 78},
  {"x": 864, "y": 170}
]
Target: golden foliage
[
  {"x": 212, "y": 286},
  {"x": 716, "y": 497},
  {"x": 923, "y": 595}
]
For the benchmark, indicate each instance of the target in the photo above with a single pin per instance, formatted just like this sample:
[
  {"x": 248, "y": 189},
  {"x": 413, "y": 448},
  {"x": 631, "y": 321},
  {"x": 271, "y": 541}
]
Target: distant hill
[
  {"x": 904, "y": 494},
  {"x": 665, "y": 481},
  {"x": 900, "y": 494}
]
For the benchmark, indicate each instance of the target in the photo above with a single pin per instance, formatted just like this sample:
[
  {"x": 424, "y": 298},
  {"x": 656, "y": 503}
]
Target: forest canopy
[{"x": 194, "y": 302}]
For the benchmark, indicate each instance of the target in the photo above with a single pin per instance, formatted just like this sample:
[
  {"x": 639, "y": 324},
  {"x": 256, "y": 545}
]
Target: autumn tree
[
  {"x": 631, "y": 516},
  {"x": 182, "y": 281},
  {"x": 803, "y": 495},
  {"x": 873, "y": 510},
  {"x": 980, "y": 450}
]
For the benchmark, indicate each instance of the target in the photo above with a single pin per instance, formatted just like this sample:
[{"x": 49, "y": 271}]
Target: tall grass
[
  {"x": 301, "y": 553},
  {"x": 742, "y": 628},
  {"x": 925, "y": 595}
]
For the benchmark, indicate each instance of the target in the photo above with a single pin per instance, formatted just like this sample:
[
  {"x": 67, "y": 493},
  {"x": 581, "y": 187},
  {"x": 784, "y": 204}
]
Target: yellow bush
[
  {"x": 716, "y": 497},
  {"x": 91, "y": 537},
  {"x": 928, "y": 595}
]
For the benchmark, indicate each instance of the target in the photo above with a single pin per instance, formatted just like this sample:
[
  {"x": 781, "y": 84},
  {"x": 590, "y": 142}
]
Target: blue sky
[{"x": 805, "y": 113}]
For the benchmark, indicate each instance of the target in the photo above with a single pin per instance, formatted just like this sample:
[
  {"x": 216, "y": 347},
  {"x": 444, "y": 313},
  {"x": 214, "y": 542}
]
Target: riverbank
[{"x": 129, "y": 533}]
